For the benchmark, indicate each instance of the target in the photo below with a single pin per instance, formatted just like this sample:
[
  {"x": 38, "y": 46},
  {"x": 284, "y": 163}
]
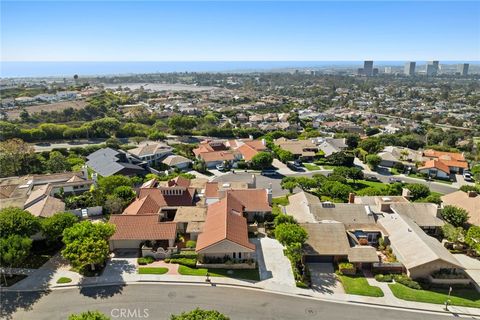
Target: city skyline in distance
[{"x": 240, "y": 31}]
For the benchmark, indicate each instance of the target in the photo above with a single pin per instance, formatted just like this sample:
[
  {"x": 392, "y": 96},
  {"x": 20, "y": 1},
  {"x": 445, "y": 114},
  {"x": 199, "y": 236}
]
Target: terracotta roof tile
[
  {"x": 224, "y": 222},
  {"x": 142, "y": 227},
  {"x": 252, "y": 199},
  {"x": 430, "y": 164},
  {"x": 186, "y": 198},
  {"x": 144, "y": 205}
]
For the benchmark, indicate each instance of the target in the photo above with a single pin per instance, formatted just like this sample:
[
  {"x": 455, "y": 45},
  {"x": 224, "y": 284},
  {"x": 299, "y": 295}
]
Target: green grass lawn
[
  {"x": 363, "y": 184},
  {"x": 358, "y": 285},
  {"x": 459, "y": 297},
  {"x": 247, "y": 274},
  {"x": 280, "y": 201},
  {"x": 311, "y": 166},
  {"x": 64, "y": 280},
  {"x": 152, "y": 270}
]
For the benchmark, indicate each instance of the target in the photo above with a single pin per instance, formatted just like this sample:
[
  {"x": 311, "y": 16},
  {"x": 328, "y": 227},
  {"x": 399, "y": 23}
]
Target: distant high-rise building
[
  {"x": 368, "y": 68},
  {"x": 360, "y": 71},
  {"x": 410, "y": 68},
  {"x": 463, "y": 69},
  {"x": 432, "y": 68}
]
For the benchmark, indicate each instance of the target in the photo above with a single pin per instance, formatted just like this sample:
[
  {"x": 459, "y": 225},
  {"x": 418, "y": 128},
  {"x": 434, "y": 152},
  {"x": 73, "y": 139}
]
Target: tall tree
[
  {"x": 15, "y": 157},
  {"x": 17, "y": 221}
]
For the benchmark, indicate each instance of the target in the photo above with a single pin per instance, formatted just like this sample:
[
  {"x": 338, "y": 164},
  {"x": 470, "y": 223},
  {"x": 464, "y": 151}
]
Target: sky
[{"x": 239, "y": 30}]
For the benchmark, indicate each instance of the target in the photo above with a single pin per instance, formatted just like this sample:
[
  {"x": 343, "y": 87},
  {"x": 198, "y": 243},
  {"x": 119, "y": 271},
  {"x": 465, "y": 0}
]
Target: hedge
[{"x": 145, "y": 260}]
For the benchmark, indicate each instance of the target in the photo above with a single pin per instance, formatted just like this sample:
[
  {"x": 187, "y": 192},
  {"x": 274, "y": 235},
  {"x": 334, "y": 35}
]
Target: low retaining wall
[
  {"x": 226, "y": 266},
  {"x": 449, "y": 281}
]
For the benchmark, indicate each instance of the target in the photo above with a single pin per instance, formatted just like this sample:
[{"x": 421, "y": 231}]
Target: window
[
  {"x": 233, "y": 255},
  {"x": 239, "y": 255}
]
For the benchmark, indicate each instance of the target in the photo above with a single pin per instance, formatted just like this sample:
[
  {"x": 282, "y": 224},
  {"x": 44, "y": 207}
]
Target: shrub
[
  {"x": 191, "y": 244},
  {"x": 407, "y": 281},
  {"x": 284, "y": 218},
  {"x": 184, "y": 261},
  {"x": 302, "y": 285},
  {"x": 345, "y": 265},
  {"x": 384, "y": 277},
  {"x": 145, "y": 260}
]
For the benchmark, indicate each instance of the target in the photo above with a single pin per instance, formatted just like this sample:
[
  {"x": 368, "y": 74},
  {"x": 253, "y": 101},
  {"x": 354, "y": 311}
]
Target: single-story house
[
  {"x": 435, "y": 169},
  {"x": 225, "y": 232},
  {"x": 420, "y": 253},
  {"x": 302, "y": 149},
  {"x": 469, "y": 201},
  {"x": 131, "y": 231},
  {"x": 425, "y": 215},
  {"x": 453, "y": 160},
  {"x": 329, "y": 242},
  {"x": 178, "y": 162}
]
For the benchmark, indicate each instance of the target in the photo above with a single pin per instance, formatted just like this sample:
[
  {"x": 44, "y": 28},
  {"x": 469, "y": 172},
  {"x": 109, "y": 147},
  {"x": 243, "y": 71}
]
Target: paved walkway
[{"x": 172, "y": 267}]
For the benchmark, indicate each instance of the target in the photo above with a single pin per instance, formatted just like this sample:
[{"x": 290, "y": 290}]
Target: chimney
[
  {"x": 95, "y": 178},
  {"x": 351, "y": 197},
  {"x": 85, "y": 172},
  {"x": 269, "y": 194},
  {"x": 253, "y": 185},
  {"x": 472, "y": 194},
  {"x": 406, "y": 193}
]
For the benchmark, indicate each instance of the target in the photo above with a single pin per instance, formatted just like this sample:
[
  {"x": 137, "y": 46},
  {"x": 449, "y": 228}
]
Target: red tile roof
[
  {"x": 442, "y": 155},
  {"x": 144, "y": 205},
  {"x": 142, "y": 227},
  {"x": 186, "y": 198},
  {"x": 179, "y": 182},
  {"x": 435, "y": 164},
  {"x": 247, "y": 152},
  {"x": 252, "y": 199},
  {"x": 224, "y": 222},
  {"x": 211, "y": 190},
  {"x": 217, "y": 156}
]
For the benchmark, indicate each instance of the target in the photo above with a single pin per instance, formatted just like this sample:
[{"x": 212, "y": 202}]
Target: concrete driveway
[
  {"x": 275, "y": 269},
  {"x": 324, "y": 279}
]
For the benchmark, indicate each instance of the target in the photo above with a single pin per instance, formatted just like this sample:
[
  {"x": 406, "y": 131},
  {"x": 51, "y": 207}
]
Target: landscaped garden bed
[{"x": 10, "y": 280}]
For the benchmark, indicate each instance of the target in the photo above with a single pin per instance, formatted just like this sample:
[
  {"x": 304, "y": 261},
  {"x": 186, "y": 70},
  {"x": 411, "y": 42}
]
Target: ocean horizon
[{"x": 20, "y": 69}]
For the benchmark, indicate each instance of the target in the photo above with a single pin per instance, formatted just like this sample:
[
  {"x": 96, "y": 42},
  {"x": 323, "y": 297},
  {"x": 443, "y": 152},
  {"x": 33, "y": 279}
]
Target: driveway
[
  {"x": 275, "y": 269},
  {"x": 324, "y": 279}
]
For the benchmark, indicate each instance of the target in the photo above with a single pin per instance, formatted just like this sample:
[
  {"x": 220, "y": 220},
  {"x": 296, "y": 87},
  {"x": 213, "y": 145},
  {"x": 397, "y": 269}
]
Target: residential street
[
  {"x": 264, "y": 181},
  {"x": 161, "y": 300}
]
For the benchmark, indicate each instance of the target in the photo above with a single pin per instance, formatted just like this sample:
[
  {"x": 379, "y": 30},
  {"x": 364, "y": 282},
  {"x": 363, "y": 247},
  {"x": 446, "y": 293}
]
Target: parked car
[
  {"x": 394, "y": 180},
  {"x": 372, "y": 178},
  {"x": 467, "y": 176},
  {"x": 294, "y": 165},
  {"x": 220, "y": 167},
  {"x": 268, "y": 173}
]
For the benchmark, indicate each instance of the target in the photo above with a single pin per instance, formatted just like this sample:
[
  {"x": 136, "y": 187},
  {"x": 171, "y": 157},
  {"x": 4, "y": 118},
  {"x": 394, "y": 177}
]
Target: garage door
[{"x": 318, "y": 259}]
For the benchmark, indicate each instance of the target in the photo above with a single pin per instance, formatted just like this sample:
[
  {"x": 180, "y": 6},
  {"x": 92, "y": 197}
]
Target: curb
[{"x": 305, "y": 296}]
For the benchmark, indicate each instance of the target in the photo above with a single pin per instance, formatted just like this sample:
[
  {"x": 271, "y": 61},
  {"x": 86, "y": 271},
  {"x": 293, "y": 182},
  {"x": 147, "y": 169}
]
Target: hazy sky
[{"x": 248, "y": 30}]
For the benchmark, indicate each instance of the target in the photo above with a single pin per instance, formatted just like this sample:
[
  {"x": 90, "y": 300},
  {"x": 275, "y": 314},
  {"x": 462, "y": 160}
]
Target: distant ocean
[{"x": 68, "y": 69}]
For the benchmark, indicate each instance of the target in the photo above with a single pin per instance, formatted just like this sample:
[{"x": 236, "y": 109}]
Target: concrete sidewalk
[{"x": 122, "y": 274}]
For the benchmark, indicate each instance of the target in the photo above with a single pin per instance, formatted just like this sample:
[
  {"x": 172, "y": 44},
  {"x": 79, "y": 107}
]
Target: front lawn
[
  {"x": 363, "y": 184},
  {"x": 311, "y": 167},
  {"x": 420, "y": 176},
  {"x": 280, "y": 201},
  {"x": 460, "y": 297},
  {"x": 246, "y": 274},
  {"x": 359, "y": 285},
  {"x": 152, "y": 270}
]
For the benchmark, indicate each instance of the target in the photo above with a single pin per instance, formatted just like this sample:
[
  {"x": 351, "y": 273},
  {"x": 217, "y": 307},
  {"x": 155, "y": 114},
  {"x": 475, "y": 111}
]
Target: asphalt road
[
  {"x": 159, "y": 301},
  {"x": 264, "y": 181}
]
